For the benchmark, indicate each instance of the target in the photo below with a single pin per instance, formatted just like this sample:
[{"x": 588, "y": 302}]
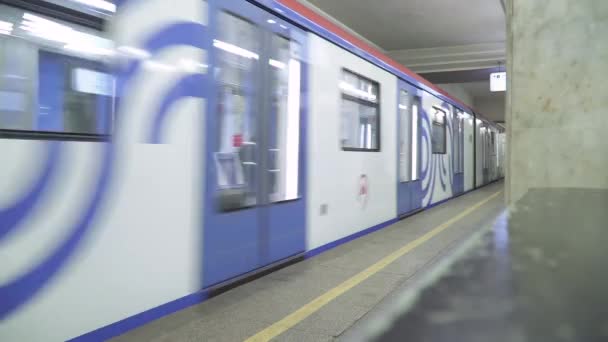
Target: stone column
[{"x": 557, "y": 99}]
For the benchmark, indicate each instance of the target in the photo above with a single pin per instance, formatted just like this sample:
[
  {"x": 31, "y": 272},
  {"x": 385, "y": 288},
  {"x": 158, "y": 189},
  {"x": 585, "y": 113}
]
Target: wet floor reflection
[{"x": 538, "y": 275}]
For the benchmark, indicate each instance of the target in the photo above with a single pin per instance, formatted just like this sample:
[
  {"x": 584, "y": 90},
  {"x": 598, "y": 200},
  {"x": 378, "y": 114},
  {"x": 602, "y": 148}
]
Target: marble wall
[{"x": 558, "y": 95}]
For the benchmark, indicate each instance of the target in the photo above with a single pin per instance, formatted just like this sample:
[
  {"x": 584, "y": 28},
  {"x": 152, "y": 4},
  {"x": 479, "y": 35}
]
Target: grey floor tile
[
  {"x": 361, "y": 258},
  {"x": 272, "y": 299},
  {"x": 158, "y": 327},
  {"x": 320, "y": 278},
  {"x": 406, "y": 265},
  {"x": 224, "y": 328},
  {"x": 293, "y": 335},
  {"x": 332, "y": 319},
  {"x": 371, "y": 291}
]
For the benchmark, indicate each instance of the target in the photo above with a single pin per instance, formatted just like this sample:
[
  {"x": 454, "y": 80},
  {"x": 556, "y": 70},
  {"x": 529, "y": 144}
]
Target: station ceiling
[
  {"x": 415, "y": 24},
  {"x": 445, "y": 41}
]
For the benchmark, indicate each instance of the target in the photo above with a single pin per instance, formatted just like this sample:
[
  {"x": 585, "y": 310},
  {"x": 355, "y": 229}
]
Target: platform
[
  {"x": 537, "y": 275},
  {"x": 319, "y": 298}
]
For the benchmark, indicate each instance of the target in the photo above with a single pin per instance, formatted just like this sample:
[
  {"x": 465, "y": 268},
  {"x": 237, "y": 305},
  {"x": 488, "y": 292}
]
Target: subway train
[{"x": 153, "y": 152}]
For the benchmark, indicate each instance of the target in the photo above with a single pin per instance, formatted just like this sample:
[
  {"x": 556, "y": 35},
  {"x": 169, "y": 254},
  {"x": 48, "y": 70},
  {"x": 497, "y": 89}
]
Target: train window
[
  {"x": 404, "y": 136},
  {"x": 360, "y": 113},
  {"x": 415, "y": 136},
  {"x": 236, "y": 157},
  {"x": 458, "y": 140},
  {"x": 438, "y": 133},
  {"x": 97, "y": 8},
  {"x": 284, "y": 139},
  {"x": 54, "y": 78}
]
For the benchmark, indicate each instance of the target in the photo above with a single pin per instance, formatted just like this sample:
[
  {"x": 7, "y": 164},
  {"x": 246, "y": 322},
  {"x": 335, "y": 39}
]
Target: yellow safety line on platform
[{"x": 299, "y": 315}]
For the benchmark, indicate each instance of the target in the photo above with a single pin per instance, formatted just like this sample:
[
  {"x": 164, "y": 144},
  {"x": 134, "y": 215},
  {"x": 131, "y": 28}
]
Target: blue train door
[
  {"x": 458, "y": 150},
  {"x": 255, "y": 212},
  {"x": 409, "y": 187}
]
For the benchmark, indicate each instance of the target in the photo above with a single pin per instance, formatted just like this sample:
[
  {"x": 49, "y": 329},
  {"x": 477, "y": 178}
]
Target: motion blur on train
[{"x": 153, "y": 149}]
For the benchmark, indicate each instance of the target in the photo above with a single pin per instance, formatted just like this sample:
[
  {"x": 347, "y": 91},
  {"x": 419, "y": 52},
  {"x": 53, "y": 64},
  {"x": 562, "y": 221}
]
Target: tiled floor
[{"x": 245, "y": 310}]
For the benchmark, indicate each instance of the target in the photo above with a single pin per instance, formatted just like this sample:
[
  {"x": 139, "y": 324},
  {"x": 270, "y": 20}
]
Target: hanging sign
[{"x": 498, "y": 81}]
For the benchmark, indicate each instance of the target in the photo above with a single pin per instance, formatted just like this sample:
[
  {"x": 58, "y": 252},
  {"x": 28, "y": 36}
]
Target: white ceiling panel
[{"x": 415, "y": 24}]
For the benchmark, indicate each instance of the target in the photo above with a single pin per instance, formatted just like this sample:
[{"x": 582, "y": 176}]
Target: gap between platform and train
[{"x": 316, "y": 304}]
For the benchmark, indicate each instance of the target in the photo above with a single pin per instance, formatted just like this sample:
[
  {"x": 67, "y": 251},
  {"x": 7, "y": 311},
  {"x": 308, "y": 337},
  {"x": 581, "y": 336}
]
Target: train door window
[
  {"x": 284, "y": 123},
  {"x": 438, "y": 133},
  {"x": 488, "y": 151},
  {"x": 236, "y": 158},
  {"x": 54, "y": 78},
  {"x": 484, "y": 141},
  {"x": 415, "y": 135},
  {"x": 404, "y": 151},
  {"x": 98, "y": 8},
  {"x": 360, "y": 113},
  {"x": 483, "y": 146},
  {"x": 462, "y": 140},
  {"x": 455, "y": 142},
  {"x": 458, "y": 141}
]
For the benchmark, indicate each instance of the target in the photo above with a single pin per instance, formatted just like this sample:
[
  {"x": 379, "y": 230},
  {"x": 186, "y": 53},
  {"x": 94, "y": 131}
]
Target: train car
[{"x": 227, "y": 138}]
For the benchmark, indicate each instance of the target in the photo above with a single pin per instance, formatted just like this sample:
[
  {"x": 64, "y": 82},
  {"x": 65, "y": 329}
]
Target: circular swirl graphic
[
  {"x": 435, "y": 167},
  {"x": 26, "y": 286}
]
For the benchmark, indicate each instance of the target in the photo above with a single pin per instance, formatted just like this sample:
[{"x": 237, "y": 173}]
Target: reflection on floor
[{"x": 538, "y": 275}]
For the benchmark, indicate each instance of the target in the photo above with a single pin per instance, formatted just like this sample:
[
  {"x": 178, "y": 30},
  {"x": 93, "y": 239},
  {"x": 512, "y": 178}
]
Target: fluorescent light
[
  {"x": 352, "y": 90},
  {"x": 99, "y": 4},
  {"x": 414, "y": 142},
  {"x": 404, "y": 107},
  {"x": 89, "y": 49},
  {"x": 134, "y": 52},
  {"x": 34, "y": 22},
  {"x": 90, "y": 44},
  {"x": 73, "y": 40},
  {"x": 157, "y": 66},
  {"x": 45, "y": 28},
  {"x": 235, "y": 49},
  {"x": 270, "y": 21},
  {"x": 51, "y": 35},
  {"x": 35, "y": 18},
  {"x": 92, "y": 82},
  {"x": 361, "y": 135},
  {"x": 293, "y": 130},
  {"x": 6, "y": 26},
  {"x": 193, "y": 66},
  {"x": 13, "y": 76},
  {"x": 276, "y": 64}
]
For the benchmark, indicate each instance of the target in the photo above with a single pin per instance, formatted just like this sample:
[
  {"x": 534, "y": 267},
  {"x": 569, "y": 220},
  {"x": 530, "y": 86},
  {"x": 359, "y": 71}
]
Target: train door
[
  {"x": 409, "y": 187},
  {"x": 458, "y": 150},
  {"x": 482, "y": 152},
  {"x": 255, "y": 207},
  {"x": 469, "y": 152}
]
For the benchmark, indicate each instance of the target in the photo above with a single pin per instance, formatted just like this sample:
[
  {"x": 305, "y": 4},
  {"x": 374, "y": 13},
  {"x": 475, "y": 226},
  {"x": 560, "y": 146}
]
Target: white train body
[{"x": 97, "y": 228}]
